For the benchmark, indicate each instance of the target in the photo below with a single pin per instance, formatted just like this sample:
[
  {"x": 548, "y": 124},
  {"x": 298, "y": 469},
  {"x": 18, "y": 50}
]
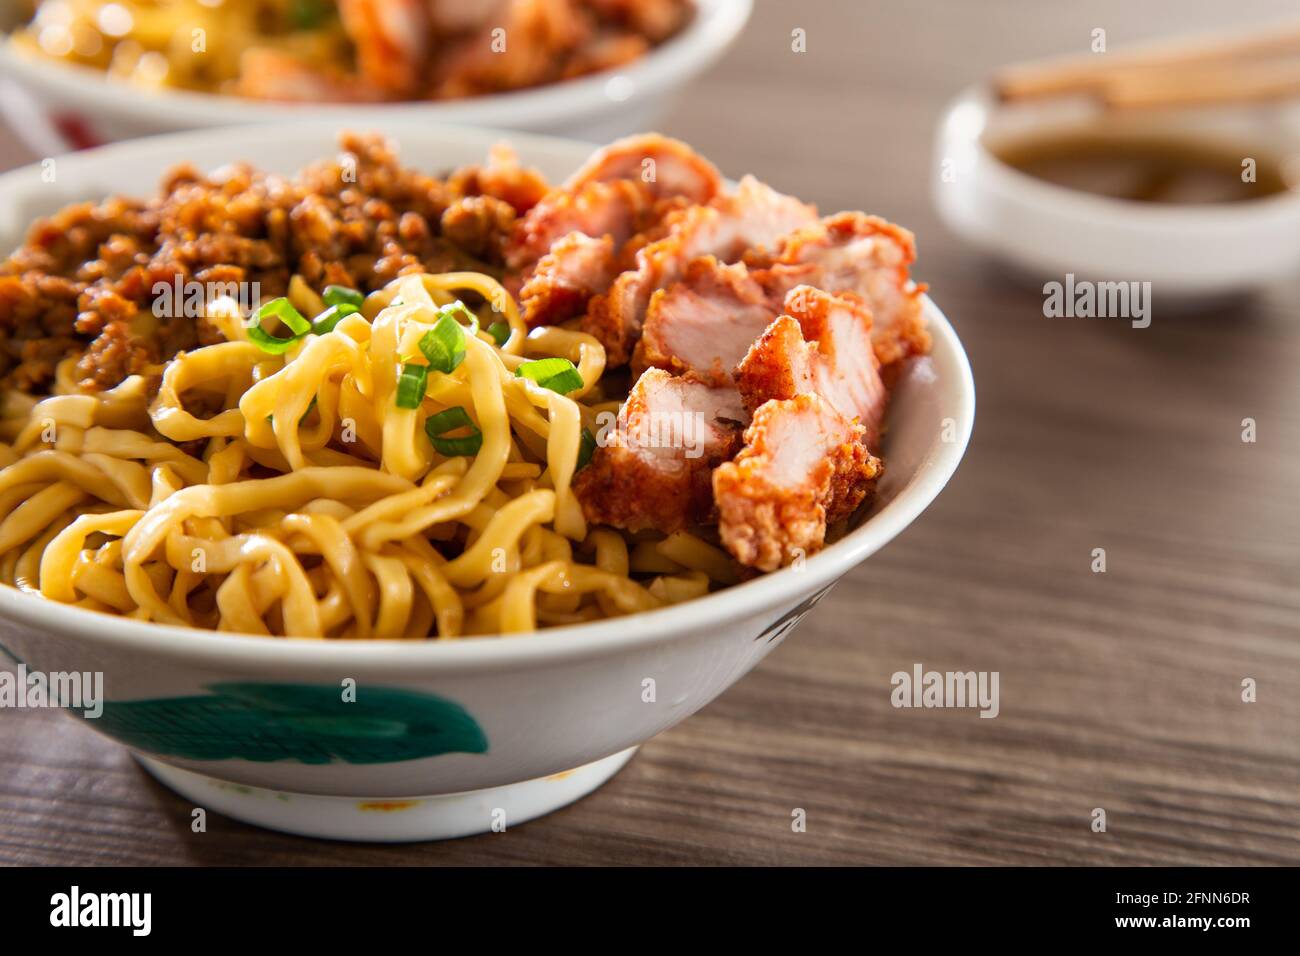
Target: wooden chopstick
[
  {"x": 1204, "y": 86},
  {"x": 1092, "y": 73}
]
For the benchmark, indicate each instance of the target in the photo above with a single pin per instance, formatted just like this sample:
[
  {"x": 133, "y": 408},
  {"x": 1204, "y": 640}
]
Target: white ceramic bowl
[
  {"x": 443, "y": 733},
  {"x": 56, "y": 107},
  {"x": 1048, "y": 231}
]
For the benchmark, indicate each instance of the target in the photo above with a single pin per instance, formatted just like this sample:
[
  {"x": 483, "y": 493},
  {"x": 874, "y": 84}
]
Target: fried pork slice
[
  {"x": 708, "y": 319},
  {"x": 854, "y": 252},
  {"x": 706, "y": 322},
  {"x": 617, "y": 193},
  {"x": 751, "y": 219},
  {"x": 822, "y": 345},
  {"x": 803, "y": 466},
  {"x": 618, "y": 209},
  {"x": 624, "y": 190},
  {"x": 540, "y": 35},
  {"x": 668, "y": 166},
  {"x": 565, "y": 279},
  {"x": 391, "y": 38},
  {"x": 651, "y": 468},
  {"x": 562, "y": 244}
]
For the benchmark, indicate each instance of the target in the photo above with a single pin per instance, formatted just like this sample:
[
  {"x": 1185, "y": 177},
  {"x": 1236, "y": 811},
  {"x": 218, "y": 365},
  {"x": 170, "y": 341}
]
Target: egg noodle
[{"x": 343, "y": 487}]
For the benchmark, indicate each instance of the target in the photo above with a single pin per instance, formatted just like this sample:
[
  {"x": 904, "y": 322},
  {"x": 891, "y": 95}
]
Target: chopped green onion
[
  {"x": 411, "y": 385},
  {"x": 557, "y": 374},
  {"x": 459, "y": 447},
  {"x": 452, "y": 308},
  {"x": 586, "y": 448},
  {"x": 437, "y": 426},
  {"x": 500, "y": 332},
  {"x": 342, "y": 295},
  {"x": 448, "y": 421},
  {"x": 444, "y": 344},
  {"x": 283, "y": 310},
  {"x": 326, "y": 321}
]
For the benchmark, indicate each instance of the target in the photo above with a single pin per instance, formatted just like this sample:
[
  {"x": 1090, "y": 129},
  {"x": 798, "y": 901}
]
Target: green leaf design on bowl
[{"x": 303, "y": 722}]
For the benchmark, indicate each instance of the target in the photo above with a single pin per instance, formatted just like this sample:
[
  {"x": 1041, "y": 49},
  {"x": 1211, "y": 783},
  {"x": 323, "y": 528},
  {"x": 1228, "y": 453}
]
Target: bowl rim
[
  {"x": 714, "y": 27},
  {"x": 935, "y": 468},
  {"x": 1096, "y": 210}
]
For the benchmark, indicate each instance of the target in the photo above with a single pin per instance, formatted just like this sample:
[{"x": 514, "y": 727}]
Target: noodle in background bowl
[
  {"x": 55, "y": 107},
  {"x": 442, "y": 733}
]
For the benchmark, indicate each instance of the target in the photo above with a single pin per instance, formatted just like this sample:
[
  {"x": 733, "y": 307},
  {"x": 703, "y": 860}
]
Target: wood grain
[{"x": 1118, "y": 690}]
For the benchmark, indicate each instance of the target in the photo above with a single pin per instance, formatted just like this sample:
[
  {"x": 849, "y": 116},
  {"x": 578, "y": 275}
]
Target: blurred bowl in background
[
  {"x": 1187, "y": 251},
  {"x": 55, "y": 107}
]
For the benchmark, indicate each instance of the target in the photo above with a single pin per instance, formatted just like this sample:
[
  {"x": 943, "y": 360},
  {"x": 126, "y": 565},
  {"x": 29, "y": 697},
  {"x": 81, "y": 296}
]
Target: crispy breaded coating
[
  {"x": 855, "y": 252},
  {"x": 803, "y": 465},
  {"x": 565, "y": 279},
  {"x": 574, "y": 243},
  {"x": 667, "y": 166},
  {"x": 651, "y": 469},
  {"x": 822, "y": 345},
  {"x": 622, "y": 193},
  {"x": 706, "y": 322},
  {"x": 753, "y": 217},
  {"x": 620, "y": 209}
]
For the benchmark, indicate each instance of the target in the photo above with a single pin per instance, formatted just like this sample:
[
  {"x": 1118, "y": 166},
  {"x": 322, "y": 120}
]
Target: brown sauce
[{"x": 1155, "y": 169}]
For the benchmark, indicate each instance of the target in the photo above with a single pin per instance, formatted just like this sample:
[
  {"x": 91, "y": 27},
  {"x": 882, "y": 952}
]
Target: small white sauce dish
[{"x": 1047, "y": 231}]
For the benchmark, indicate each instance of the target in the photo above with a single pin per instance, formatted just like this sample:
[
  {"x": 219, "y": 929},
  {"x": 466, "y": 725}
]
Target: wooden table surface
[{"x": 1119, "y": 690}]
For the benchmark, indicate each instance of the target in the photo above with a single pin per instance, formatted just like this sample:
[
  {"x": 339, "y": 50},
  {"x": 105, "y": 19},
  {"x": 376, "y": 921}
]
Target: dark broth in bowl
[{"x": 1147, "y": 169}]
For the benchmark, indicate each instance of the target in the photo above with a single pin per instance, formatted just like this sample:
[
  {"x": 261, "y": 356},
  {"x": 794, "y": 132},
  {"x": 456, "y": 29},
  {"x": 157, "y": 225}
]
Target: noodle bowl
[
  {"x": 345, "y": 484},
  {"x": 465, "y": 722}
]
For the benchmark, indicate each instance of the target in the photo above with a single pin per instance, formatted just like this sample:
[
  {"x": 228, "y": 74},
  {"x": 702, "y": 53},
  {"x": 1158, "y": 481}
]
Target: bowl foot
[{"x": 442, "y": 817}]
